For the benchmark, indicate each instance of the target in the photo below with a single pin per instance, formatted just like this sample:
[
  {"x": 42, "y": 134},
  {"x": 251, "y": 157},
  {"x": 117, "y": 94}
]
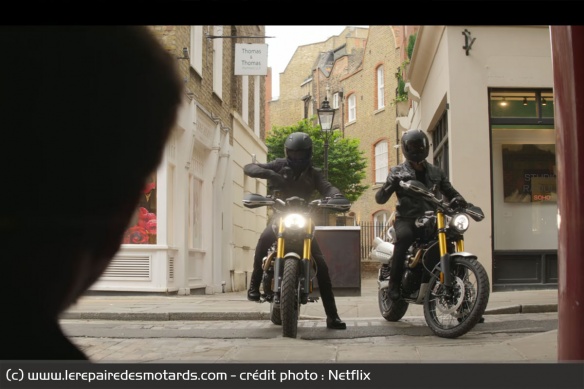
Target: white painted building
[
  {"x": 459, "y": 79},
  {"x": 191, "y": 233}
]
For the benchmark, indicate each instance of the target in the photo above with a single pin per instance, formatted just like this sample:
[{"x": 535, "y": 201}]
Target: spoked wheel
[
  {"x": 289, "y": 301},
  {"x": 390, "y": 310},
  {"x": 453, "y": 312}
]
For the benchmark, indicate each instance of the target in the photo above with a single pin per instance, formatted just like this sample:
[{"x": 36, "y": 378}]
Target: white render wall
[
  {"x": 247, "y": 223},
  {"x": 228, "y": 232},
  {"x": 501, "y": 56}
]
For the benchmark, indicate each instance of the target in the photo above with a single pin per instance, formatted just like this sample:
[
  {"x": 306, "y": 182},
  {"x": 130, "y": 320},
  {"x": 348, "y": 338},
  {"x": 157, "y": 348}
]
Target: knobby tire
[
  {"x": 471, "y": 309},
  {"x": 289, "y": 301}
]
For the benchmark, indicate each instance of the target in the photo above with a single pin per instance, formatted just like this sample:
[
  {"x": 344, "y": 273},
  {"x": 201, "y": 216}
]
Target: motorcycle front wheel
[
  {"x": 452, "y": 313},
  {"x": 289, "y": 300}
]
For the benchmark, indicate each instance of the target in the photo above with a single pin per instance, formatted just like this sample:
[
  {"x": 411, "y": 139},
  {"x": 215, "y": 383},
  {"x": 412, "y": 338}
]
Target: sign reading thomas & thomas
[{"x": 251, "y": 59}]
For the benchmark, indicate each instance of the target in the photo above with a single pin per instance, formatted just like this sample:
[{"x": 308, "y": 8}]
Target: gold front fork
[
  {"x": 441, "y": 238},
  {"x": 460, "y": 245},
  {"x": 280, "y": 249},
  {"x": 307, "y": 252},
  {"x": 308, "y": 241}
]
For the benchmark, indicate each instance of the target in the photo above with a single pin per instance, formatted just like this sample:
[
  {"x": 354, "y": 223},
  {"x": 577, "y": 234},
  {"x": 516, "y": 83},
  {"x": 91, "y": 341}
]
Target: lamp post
[{"x": 326, "y": 115}]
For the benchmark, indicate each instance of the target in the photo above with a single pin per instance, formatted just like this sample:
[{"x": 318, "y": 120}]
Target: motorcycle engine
[
  {"x": 426, "y": 226},
  {"x": 411, "y": 281}
]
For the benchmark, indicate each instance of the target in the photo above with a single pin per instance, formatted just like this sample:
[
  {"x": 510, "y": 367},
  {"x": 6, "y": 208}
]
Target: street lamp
[{"x": 326, "y": 115}]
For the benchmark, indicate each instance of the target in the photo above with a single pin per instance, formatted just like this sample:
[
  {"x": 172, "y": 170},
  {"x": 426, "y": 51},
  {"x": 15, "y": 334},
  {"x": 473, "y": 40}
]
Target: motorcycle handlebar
[
  {"x": 338, "y": 203},
  {"x": 449, "y": 207}
]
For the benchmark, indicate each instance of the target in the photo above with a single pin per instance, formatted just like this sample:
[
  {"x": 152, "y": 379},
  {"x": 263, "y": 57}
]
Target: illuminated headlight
[
  {"x": 459, "y": 222},
  {"x": 294, "y": 221}
]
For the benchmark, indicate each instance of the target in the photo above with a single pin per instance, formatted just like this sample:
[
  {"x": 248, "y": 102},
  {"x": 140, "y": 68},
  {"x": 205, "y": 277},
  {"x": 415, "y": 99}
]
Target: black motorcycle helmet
[
  {"x": 298, "y": 150},
  {"x": 415, "y": 145}
]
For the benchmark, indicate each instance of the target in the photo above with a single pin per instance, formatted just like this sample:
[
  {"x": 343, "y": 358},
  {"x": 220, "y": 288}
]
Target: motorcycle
[
  {"x": 439, "y": 274},
  {"x": 289, "y": 268}
]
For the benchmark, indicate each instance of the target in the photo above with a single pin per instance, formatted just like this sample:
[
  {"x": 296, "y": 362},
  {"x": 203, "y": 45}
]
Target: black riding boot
[
  {"x": 253, "y": 293},
  {"x": 394, "y": 291},
  {"x": 334, "y": 322}
]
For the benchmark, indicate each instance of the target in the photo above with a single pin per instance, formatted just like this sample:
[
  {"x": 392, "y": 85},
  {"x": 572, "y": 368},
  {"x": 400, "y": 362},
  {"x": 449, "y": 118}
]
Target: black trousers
[
  {"x": 404, "y": 229},
  {"x": 325, "y": 286}
]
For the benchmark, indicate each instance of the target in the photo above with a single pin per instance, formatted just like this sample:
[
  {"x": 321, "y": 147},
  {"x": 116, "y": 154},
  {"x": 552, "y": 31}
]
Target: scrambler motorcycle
[
  {"x": 289, "y": 268},
  {"x": 439, "y": 274}
]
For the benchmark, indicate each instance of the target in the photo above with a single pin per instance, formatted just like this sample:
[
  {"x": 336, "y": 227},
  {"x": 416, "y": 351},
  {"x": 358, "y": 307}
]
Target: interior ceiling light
[
  {"x": 503, "y": 102},
  {"x": 543, "y": 101},
  {"x": 525, "y": 101}
]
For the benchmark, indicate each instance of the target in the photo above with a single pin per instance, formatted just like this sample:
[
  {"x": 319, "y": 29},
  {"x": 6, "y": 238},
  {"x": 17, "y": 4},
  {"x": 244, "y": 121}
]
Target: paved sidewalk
[
  {"x": 235, "y": 306},
  {"x": 476, "y": 347}
]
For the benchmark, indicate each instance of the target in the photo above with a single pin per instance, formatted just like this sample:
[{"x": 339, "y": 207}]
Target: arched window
[
  {"x": 352, "y": 107},
  {"x": 381, "y": 161},
  {"x": 379, "y": 220}
]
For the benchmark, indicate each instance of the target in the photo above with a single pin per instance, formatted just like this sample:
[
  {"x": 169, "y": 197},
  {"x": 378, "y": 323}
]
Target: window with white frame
[
  {"x": 196, "y": 51},
  {"x": 218, "y": 62},
  {"x": 381, "y": 161},
  {"x": 380, "y": 88},
  {"x": 352, "y": 107},
  {"x": 379, "y": 220},
  {"x": 336, "y": 99},
  {"x": 196, "y": 224}
]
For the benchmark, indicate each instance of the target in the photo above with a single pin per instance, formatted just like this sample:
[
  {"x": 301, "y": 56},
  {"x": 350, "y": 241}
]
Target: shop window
[
  {"x": 142, "y": 228},
  {"x": 523, "y": 170},
  {"x": 521, "y": 107},
  {"x": 529, "y": 173}
]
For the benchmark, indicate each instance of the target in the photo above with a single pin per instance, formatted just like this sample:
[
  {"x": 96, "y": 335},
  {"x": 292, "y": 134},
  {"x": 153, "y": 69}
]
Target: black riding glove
[
  {"x": 394, "y": 179},
  {"x": 459, "y": 202}
]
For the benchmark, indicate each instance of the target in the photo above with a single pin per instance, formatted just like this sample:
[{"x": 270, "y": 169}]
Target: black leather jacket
[
  {"x": 409, "y": 205},
  {"x": 302, "y": 184}
]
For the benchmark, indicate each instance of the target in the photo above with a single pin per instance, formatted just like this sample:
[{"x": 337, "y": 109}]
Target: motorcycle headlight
[
  {"x": 294, "y": 221},
  {"x": 460, "y": 222}
]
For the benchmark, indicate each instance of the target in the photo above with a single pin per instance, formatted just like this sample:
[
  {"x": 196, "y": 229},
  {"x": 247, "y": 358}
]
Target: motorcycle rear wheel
[
  {"x": 289, "y": 300},
  {"x": 391, "y": 310},
  {"x": 455, "y": 315}
]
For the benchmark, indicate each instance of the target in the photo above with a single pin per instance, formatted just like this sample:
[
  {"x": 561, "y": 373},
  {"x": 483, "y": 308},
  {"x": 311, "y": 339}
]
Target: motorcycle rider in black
[
  {"x": 295, "y": 176},
  {"x": 415, "y": 147}
]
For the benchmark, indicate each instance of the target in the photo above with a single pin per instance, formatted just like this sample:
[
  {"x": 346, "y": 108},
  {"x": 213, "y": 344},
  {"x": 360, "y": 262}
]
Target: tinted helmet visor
[{"x": 416, "y": 149}]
